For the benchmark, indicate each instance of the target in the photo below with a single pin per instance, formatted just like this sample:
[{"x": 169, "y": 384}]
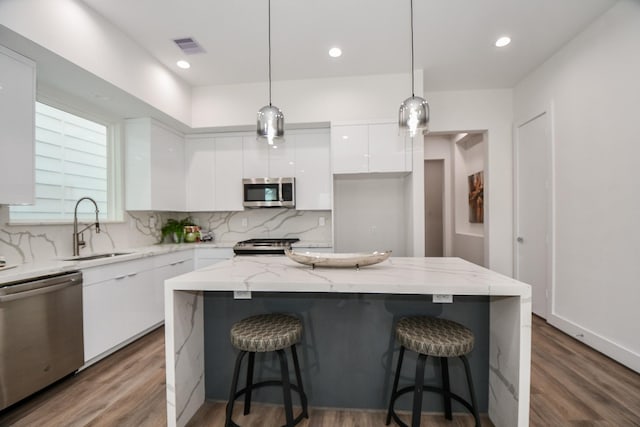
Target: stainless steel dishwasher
[{"x": 40, "y": 333}]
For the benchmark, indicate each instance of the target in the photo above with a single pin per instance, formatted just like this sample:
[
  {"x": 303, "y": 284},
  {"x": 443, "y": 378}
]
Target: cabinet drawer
[
  {"x": 172, "y": 258},
  {"x": 116, "y": 270}
]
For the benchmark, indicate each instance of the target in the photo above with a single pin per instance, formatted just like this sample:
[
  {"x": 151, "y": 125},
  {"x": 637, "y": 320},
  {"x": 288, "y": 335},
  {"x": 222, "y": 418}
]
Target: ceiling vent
[{"x": 189, "y": 45}]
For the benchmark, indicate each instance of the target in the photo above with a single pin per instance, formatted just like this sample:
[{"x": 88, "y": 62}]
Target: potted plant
[{"x": 174, "y": 229}]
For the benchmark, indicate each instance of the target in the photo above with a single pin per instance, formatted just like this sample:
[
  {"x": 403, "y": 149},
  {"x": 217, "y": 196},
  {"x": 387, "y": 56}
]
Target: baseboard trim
[
  {"x": 605, "y": 346},
  {"x": 119, "y": 346}
]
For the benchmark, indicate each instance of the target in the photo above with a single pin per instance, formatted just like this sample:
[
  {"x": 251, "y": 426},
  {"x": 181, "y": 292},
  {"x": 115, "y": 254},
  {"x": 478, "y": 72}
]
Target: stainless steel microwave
[{"x": 269, "y": 192}]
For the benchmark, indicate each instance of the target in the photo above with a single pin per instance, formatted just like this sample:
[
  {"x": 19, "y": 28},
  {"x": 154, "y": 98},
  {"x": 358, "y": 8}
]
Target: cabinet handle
[
  {"x": 120, "y": 277},
  {"x": 132, "y": 274},
  {"x": 176, "y": 263}
]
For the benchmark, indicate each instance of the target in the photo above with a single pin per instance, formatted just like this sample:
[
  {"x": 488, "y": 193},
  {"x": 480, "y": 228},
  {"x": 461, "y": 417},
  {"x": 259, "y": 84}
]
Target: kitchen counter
[
  {"x": 510, "y": 317},
  {"x": 55, "y": 266}
]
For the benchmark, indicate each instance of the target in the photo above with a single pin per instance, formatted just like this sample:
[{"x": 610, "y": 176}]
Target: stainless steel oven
[
  {"x": 269, "y": 192},
  {"x": 263, "y": 246},
  {"x": 40, "y": 334}
]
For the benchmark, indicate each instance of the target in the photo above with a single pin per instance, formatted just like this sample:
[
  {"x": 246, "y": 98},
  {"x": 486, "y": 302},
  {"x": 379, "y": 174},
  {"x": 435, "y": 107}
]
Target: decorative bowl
[{"x": 338, "y": 260}]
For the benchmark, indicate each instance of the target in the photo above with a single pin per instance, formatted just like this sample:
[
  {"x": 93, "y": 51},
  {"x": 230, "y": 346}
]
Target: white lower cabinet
[
  {"x": 123, "y": 300},
  {"x": 208, "y": 256},
  {"x": 116, "y": 305}
]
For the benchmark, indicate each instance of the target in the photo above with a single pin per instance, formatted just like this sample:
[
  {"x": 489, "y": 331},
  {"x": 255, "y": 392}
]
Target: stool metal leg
[
  {"x": 472, "y": 392},
  {"x": 234, "y": 387},
  {"x": 249, "y": 384},
  {"x": 444, "y": 370},
  {"x": 417, "y": 394},
  {"x": 395, "y": 384},
  {"x": 303, "y": 396},
  {"x": 286, "y": 387}
]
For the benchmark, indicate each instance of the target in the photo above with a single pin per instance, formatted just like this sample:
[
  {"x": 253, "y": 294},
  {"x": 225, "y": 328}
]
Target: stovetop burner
[{"x": 263, "y": 246}]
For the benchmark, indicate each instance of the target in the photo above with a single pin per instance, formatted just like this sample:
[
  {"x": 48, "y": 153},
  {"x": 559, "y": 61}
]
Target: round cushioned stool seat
[
  {"x": 266, "y": 332},
  {"x": 433, "y": 336}
]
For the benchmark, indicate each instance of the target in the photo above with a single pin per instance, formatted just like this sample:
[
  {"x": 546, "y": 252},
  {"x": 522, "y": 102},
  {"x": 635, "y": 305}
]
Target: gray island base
[{"x": 348, "y": 350}]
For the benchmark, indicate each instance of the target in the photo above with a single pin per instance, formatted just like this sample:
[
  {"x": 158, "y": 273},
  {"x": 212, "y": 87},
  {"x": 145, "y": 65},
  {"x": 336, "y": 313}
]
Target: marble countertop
[
  {"x": 396, "y": 275},
  {"x": 58, "y": 265}
]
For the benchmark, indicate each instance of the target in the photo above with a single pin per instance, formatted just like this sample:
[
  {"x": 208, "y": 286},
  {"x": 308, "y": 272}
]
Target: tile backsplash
[{"x": 31, "y": 243}]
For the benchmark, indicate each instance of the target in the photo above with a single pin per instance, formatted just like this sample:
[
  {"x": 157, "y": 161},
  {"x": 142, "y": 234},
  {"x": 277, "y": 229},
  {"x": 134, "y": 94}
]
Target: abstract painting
[{"x": 476, "y": 197}]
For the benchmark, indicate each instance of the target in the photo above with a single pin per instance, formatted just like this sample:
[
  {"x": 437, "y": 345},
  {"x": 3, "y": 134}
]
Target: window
[{"x": 71, "y": 161}]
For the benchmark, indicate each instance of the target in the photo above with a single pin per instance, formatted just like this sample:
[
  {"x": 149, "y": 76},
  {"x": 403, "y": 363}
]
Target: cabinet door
[
  {"x": 350, "y": 148},
  {"x": 17, "y": 128},
  {"x": 255, "y": 158},
  {"x": 228, "y": 174},
  {"x": 167, "y": 170},
  {"x": 200, "y": 167},
  {"x": 313, "y": 171},
  {"x": 114, "y": 311},
  {"x": 386, "y": 148},
  {"x": 282, "y": 157}
]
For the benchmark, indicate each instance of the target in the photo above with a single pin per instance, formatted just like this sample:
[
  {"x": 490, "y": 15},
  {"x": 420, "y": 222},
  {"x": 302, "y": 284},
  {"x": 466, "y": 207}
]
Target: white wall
[
  {"x": 302, "y": 101},
  {"x": 593, "y": 86},
  {"x": 490, "y": 110},
  {"x": 370, "y": 213},
  {"x": 74, "y": 31}
]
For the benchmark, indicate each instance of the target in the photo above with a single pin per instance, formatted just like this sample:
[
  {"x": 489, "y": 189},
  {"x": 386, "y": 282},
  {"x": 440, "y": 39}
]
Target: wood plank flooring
[{"x": 571, "y": 385}]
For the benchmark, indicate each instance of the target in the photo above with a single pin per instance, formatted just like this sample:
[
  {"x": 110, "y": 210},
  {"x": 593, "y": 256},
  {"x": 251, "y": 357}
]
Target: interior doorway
[
  {"x": 434, "y": 208},
  {"x": 533, "y": 219}
]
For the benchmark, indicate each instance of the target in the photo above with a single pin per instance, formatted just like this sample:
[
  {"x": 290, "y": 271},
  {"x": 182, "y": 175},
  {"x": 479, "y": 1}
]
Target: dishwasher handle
[
  {"x": 34, "y": 292},
  {"x": 39, "y": 286}
]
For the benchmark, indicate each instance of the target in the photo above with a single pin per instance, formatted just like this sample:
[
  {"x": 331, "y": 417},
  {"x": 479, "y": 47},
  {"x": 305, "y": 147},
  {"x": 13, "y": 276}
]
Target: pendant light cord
[
  {"x": 270, "y": 52},
  {"x": 412, "y": 84}
]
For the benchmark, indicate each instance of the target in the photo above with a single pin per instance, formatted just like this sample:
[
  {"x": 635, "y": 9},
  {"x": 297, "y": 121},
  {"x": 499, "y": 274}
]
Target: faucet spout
[{"x": 77, "y": 239}]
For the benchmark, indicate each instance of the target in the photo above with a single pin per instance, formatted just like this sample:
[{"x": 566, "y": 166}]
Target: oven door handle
[{"x": 39, "y": 291}]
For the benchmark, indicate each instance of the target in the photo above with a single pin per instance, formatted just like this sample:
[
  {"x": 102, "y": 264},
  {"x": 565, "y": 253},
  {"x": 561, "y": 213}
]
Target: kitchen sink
[{"x": 97, "y": 256}]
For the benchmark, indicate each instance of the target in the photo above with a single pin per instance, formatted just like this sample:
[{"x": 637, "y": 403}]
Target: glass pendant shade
[
  {"x": 270, "y": 123},
  {"x": 413, "y": 115}
]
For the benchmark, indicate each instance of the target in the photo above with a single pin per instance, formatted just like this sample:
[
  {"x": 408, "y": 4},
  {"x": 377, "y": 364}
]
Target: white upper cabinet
[
  {"x": 228, "y": 174},
  {"x": 17, "y": 128},
  {"x": 350, "y": 148},
  {"x": 313, "y": 170},
  {"x": 215, "y": 166},
  {"x": 154, "y": 167},
  {"x": 364, "y": 148},
  {"x": 213, "y": 173},
  {"x": 282, "y": 157},
  {"x": 262, "y": 160},
  {"x": 200, "y": 160},
  {"x": 386, "y": 149},
  {"x": 255, "y": 158}
]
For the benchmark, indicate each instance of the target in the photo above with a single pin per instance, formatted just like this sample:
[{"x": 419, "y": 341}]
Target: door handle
[{"x": 520, "y": 240}]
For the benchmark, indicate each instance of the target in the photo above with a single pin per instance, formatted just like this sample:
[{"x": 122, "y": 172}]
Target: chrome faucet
[{"x": 78, "y": 239}]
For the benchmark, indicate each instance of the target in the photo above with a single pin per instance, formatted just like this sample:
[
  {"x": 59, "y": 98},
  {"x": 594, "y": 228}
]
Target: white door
[{"x": 532, "y": 209}]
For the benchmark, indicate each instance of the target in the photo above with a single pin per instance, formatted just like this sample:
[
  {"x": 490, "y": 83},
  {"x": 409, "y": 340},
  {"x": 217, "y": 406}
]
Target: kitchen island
[{"x": 509, "y": 317}]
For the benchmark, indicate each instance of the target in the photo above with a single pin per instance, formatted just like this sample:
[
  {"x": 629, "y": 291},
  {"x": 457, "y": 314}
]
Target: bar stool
[
  {"x": 260, "y": 334},
  {"x": 430, "y": 336}
]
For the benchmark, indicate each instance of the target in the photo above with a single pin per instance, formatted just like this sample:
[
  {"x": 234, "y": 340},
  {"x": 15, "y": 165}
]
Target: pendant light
[
  {"x": 414, "y": 111},
  {"x": 270, "y": 118}
]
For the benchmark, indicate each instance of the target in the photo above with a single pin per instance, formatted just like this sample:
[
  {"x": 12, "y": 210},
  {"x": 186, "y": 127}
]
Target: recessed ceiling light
[
  {"x": 335, "y": 52},
  {"x": 183, "y": 64},
  {"x": 503, "y": 41}
]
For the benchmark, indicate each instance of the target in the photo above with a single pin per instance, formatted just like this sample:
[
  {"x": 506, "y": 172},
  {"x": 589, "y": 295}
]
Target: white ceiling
[{"x": 453, "y": 38}]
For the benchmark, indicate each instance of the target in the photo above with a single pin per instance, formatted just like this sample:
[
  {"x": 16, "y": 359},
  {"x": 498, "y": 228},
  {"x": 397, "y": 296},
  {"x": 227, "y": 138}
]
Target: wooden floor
[{"x": 571, "y": 385}]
